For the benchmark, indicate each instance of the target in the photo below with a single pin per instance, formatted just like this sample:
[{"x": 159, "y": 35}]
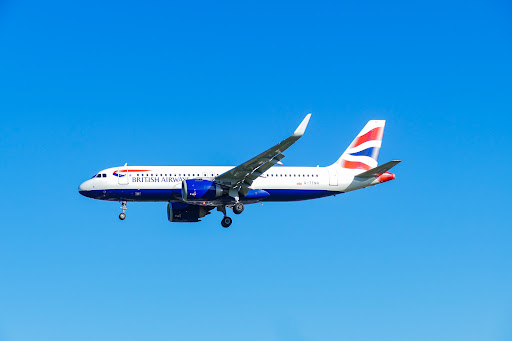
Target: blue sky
[{"x": 90, "y": 85}]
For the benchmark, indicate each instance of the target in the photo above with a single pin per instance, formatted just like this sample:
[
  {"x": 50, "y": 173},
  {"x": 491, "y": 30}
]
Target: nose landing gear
[{"x": 122, "y": 215}]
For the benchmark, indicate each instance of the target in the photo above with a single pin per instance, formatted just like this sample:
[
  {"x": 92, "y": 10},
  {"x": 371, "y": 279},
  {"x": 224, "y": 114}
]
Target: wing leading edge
[{"x": 240, "y": 178}]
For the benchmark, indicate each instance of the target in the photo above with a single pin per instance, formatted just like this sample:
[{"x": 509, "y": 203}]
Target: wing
[{"x": 240, "y": 178}]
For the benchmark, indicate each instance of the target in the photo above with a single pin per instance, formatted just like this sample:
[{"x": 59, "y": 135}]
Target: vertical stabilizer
[{"x": 363, "y": 152}]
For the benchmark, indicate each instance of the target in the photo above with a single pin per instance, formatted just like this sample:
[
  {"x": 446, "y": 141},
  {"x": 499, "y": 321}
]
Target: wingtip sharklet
[{"x": 302, "y": 127}]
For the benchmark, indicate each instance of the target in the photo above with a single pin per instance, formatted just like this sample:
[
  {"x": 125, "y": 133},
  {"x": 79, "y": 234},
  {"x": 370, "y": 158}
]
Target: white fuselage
[{"x": 164, "y": 183}]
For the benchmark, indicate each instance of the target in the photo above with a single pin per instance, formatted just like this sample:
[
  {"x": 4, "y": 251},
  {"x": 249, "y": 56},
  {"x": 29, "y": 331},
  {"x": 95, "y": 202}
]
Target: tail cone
[{"x": 386, "y": 177}]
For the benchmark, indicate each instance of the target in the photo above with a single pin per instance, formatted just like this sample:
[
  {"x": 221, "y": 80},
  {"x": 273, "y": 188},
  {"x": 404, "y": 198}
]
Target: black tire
[
  {"x": 226, "y": 221},
  {"x": 238, "y": 208},
  {"x": 122, "y": 216}
]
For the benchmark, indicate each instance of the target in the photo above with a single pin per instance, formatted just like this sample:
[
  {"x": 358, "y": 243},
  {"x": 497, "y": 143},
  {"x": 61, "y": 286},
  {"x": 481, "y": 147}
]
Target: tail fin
[{"x": 363, "y": 152}]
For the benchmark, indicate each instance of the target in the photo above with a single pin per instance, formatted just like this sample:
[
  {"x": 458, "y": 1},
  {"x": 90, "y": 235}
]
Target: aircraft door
[
  {"x": 333, "y": 177},
  {"x": 122, "y": 175}
]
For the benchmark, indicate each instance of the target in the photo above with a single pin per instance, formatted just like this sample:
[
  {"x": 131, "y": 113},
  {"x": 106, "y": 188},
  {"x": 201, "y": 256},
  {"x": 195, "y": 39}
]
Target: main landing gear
[
  {"x": 122, "y": 215},
  {"x": 238, "y": 208},
  {"x": 226, "y": 221}
]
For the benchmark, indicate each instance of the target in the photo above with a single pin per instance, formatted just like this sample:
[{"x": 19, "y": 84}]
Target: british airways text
[{"x": 157, "y": 179}]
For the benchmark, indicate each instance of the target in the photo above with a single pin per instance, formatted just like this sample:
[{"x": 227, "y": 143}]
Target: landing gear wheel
[
  {"x": 238, "y": 208},
  {"x": 226, "y": 221},
  {"x": 122, "y": 216}
]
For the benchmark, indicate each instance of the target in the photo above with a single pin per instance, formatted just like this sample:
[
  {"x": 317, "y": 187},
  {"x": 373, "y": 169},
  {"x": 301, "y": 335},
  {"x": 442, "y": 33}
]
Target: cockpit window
[
  {"x": 104, "y": 175},
  {"x": 98, "y": 176},
  {"x": 92, "y": 177}
]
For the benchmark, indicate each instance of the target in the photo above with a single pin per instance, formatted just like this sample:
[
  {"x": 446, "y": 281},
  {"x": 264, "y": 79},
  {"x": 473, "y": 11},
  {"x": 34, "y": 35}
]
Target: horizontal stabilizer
[{"x": 379, "y": 169}]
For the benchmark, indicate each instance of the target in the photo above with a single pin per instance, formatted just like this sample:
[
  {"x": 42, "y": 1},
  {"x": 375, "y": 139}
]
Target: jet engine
[
  {"x": 200, "y": 190},
  {"x": 178, "y": 212}
]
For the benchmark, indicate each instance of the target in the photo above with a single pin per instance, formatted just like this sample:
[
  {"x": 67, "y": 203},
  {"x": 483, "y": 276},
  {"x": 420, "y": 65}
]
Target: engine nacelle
[
  {"x": 200, "y": 190},
  {"x": 178, "y": 212}
]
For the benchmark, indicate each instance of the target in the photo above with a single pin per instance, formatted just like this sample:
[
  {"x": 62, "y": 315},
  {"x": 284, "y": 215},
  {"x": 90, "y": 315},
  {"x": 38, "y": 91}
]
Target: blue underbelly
[
  {"x": 167, "y": 195},
  {"x": 297, "y": 194}
]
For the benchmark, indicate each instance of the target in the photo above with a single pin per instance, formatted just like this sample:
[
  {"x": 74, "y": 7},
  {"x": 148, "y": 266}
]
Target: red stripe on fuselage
[
  {"x": 374, "y": 134},
  {"x": 133, "y": 170}
]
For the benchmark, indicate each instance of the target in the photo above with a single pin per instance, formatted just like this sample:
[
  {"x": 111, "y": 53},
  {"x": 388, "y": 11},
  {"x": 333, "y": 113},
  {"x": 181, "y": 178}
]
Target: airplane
[{"x": 193, "y": 191}]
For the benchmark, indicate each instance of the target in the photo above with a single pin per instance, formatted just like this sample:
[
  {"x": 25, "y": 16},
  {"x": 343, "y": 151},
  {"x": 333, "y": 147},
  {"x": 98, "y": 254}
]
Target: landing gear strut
[
  {"x": 238, "y": 208},
  {"x": 226, "y": 221},
  {"x": 122, "y": 215}
]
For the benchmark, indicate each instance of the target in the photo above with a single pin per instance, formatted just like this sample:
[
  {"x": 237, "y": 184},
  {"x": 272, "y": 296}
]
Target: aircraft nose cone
[
  {"x": 81, "y": 189},
  {"x": 84, "y": 188}
]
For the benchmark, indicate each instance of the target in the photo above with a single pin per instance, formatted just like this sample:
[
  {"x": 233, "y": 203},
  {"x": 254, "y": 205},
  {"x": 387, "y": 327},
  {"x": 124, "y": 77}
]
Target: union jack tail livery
[{"x": 363, "y": 152}]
